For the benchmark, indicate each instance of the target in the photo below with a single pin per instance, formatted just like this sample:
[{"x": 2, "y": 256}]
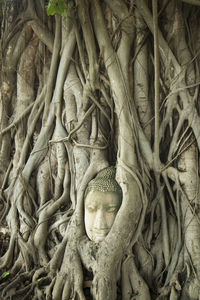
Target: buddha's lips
[{"x": 101, "y": 232}]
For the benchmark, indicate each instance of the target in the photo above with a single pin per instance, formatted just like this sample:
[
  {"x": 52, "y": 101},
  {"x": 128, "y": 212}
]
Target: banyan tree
[{"x": 100, "y": 98}]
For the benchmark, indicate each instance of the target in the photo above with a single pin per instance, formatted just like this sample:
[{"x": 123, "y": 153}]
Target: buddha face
[{"x": 100, "y": 212}]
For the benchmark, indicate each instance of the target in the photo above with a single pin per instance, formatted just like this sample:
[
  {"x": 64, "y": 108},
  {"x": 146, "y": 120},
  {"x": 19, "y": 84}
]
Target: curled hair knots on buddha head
[{"x": 104, "y": 182}]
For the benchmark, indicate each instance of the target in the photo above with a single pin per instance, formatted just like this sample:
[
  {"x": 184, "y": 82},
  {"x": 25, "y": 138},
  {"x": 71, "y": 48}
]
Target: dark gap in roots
[
  {"x": 182, "y": 277},
  {"x": 185, "y": 137},
  {"x": 169, "y": 205},
  {"x": 88, "y": 277},
  {"x": 36, "y": 84},
  {"x": 185, "y": 128},
  {"x": 165, "y": 145},
  {"x": 180, "y": 102},
  {"x": 175, "y": 118},
  {"x": 4, "y": 242},
  {"x": 113, "y": 146}
]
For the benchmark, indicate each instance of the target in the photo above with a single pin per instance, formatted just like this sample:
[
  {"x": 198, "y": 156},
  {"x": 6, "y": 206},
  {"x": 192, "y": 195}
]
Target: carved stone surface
[
  {"x": 100, "y": 212},
  {"x": 102, "y": 202}
]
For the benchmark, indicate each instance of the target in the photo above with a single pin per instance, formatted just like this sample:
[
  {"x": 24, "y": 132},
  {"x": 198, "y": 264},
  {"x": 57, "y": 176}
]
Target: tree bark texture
[{"x": 113, "y": 83}]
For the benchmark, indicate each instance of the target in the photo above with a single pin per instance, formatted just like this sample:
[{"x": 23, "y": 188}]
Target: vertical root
[
  {"x": 58, "y": 288},
  {"x": 137, "y": 286},
  {"x": 49, "y": 289},
  {"x": 174, "y": 295},
  {"x": 57, "y": 259},
  {"x": 66, "y": 291},
  {"x": 7, "y": 259}
]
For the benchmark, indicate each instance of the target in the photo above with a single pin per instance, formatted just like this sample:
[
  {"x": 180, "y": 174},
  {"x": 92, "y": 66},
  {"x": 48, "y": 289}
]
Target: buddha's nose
[{"x": 100, "y": 220}]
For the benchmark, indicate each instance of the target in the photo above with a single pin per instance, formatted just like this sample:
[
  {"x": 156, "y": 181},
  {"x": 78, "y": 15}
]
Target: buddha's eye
[
  {"x": 112, "y": 209},
  {"x": 91, "y": 208}
]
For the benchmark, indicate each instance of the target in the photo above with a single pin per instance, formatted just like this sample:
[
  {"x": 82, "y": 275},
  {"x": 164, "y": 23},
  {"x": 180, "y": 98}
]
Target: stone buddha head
[{"x": 103, "y": 199}]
